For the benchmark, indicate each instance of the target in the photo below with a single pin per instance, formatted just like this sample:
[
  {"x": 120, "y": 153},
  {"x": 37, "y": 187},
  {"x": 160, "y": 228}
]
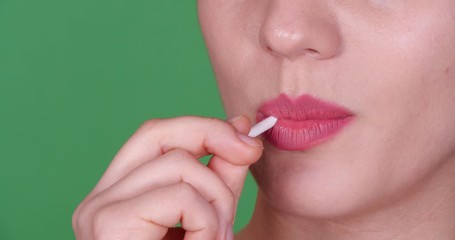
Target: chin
[
  {"x": 310, "y": 189},
  {"x": 307, "y": 203}
]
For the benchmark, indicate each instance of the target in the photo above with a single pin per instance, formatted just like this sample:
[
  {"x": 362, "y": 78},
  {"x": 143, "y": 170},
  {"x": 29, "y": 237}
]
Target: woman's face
[{"x": 391, "y": 63}]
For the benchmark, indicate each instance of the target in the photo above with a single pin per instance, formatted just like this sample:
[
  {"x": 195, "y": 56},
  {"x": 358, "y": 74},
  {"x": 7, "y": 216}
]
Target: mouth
[{"x": 303, "y": 122}]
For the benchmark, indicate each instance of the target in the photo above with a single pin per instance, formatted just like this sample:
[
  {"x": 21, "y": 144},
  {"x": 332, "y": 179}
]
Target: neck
[{"x": 427, "y": 213}]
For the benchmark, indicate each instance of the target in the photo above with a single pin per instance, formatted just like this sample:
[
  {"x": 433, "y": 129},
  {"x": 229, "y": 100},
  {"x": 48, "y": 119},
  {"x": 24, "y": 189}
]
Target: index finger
[{"x": 197, "y": 135}]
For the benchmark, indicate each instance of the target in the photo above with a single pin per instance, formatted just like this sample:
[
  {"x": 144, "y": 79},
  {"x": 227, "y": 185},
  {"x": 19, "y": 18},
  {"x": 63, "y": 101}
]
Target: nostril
[
  {"x": 273, "y": 52},
  {"x": 311, "y": 52}
]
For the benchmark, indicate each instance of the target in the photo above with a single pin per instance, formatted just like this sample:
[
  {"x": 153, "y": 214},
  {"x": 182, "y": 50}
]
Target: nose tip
[{"x": 290, "y": 33}]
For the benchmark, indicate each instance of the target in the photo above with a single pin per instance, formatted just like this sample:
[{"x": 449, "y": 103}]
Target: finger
[
  {"x": 150, "y": 215},
  {"x": 199, "y": 136},
  {"x": 232, "y": 175},
  {"x": 173, "y": 167},
  {"x": 241, "y": 123}
]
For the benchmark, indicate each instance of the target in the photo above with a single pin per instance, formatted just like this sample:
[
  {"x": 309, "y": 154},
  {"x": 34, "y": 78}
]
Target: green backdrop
[{"x": 76, "y": 79}]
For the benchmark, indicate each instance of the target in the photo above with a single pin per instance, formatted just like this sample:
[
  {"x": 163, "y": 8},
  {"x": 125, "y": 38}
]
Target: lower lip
[{"x": 292, "y": 135}]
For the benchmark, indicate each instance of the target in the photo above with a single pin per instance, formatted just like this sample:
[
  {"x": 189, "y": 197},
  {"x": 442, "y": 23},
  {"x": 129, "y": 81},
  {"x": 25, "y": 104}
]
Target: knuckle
[
  {"x": 101, "y": 220},
  {"x": 180, "y": 156},
  {"x": 75, "y": 217},
  {"x": 150, "y": 124},
  {"x": 191, "y": 195},
  {"x": 80, "y": 217},
  {"x": 215, "y": 121},
  {"x": 186, "y": 191},
  {"x": 207, "y": 122},
  {"x": 86, "y": 218}
]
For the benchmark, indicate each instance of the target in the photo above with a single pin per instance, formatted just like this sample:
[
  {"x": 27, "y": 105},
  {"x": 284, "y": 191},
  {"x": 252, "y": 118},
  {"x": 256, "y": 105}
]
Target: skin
[
  {"x": 156, "y": 180},
  {"x": 389, "y": 62},
  {"x": 388, "y": 175}
]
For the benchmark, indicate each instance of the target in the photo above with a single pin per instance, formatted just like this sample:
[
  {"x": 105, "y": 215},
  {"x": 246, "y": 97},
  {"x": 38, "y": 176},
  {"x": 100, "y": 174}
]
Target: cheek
[
  {"x": 401, "y": 83},
  {"x": 406, "y": 98},
  {"x": 231, "y": 34}
]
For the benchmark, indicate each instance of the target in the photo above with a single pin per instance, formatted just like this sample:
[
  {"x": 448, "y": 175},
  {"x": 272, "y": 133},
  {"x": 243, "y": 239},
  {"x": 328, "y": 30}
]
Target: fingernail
[
  {"x": 234, "y": 119},
  {"x": 230, "y": 234},
  {"x": 250, "y": 141}
]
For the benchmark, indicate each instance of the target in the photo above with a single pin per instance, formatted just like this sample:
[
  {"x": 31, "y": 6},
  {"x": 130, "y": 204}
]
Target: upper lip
[{"x": 302, "y": 108}]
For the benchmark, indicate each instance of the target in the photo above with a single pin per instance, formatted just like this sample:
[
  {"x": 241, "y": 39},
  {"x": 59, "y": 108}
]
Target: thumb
[{"x": 233, "y": 175}]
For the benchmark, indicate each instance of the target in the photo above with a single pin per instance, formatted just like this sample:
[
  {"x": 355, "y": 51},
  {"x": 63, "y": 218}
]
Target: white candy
[{"x": 262, "y": 126}]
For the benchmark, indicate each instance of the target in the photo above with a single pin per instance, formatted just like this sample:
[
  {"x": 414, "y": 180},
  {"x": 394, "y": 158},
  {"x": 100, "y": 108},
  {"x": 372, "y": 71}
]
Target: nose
[{"x": 295, "y": 28}]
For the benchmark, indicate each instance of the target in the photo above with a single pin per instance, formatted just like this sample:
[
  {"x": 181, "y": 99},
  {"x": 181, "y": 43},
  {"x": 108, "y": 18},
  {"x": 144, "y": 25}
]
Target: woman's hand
[{"x": 156, "y": 181}]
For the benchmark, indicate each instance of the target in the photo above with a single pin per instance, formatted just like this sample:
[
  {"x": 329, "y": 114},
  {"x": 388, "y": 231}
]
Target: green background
[{"x": 76, "y": 80}]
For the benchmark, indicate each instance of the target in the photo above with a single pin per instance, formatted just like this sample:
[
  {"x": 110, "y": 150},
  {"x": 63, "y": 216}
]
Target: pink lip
[{"x": 303, "y": 122}]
